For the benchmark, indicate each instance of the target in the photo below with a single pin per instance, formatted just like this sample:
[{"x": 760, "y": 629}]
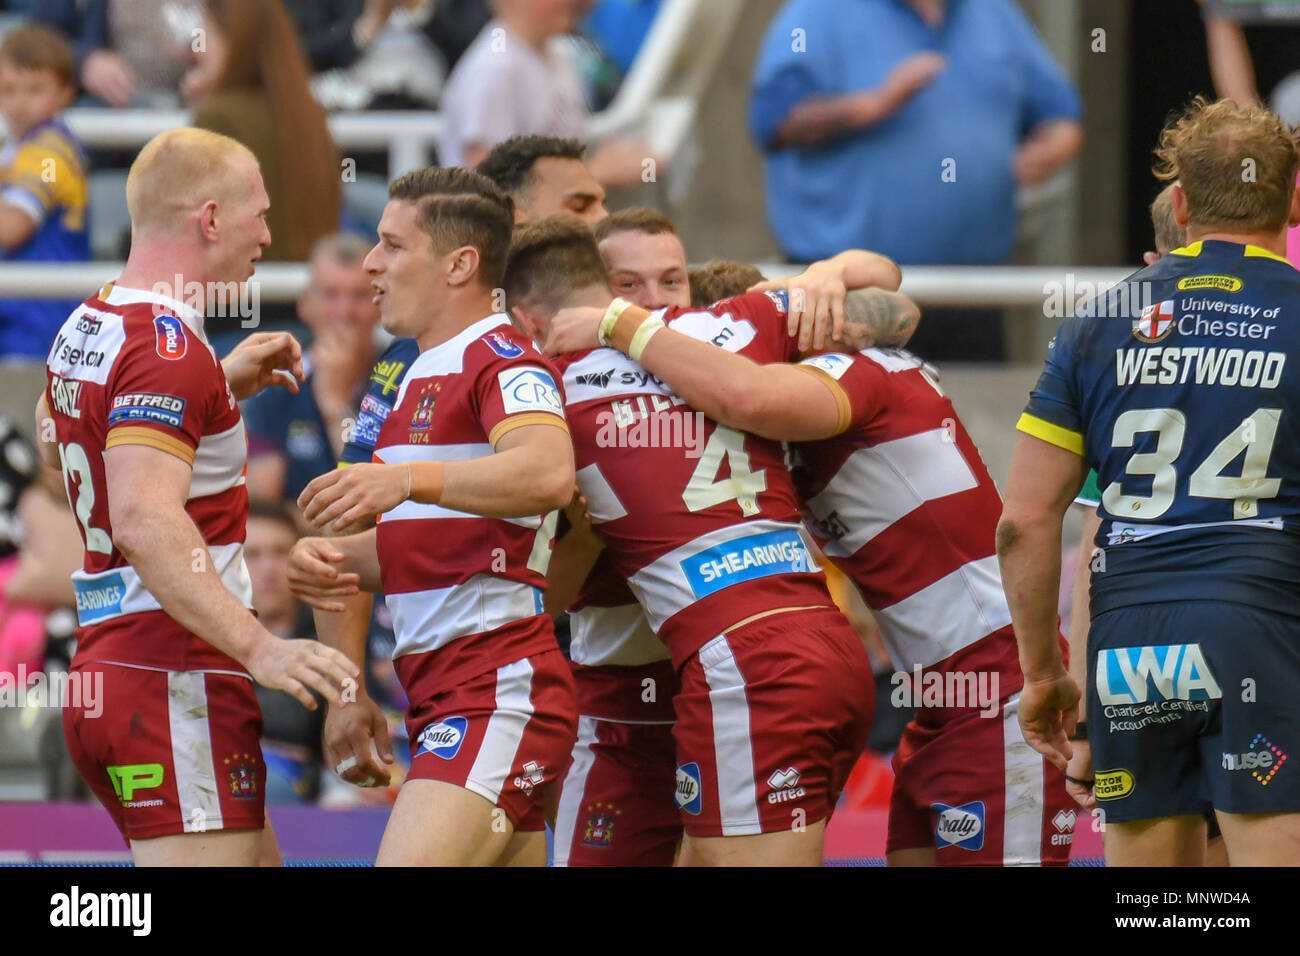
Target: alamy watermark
[
  {"x": 934, "y": 688},
  {"x": 82, "y": 689}
]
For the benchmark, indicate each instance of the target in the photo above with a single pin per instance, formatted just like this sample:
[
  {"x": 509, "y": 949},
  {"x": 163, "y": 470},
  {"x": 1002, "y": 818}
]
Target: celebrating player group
[{"x": 559, "y": 426}]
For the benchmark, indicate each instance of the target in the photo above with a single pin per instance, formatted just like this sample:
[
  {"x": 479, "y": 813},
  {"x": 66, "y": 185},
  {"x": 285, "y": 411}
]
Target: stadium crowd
[{"x": 904, "y": 576}]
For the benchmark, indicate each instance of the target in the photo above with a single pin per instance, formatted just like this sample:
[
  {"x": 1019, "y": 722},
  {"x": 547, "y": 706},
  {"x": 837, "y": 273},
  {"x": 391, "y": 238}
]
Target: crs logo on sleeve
[
  {"x": 170, "y": 341},
  {"x": 442, "y": 738},
  {"x": 962, "y": 826},
  {"x": 529, "y": 389}
]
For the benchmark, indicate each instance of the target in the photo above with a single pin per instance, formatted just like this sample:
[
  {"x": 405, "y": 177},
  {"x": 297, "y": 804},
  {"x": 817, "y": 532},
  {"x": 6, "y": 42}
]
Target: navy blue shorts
[{"x": 1194, "y": 706}]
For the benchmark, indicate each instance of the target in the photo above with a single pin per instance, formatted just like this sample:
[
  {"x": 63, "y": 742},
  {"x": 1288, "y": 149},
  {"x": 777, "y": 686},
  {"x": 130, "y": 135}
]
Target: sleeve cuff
[
  {"x": 151, "y": 438},
  {"x": 842, "y": 403},
  {"x": 507, "y": 425}
]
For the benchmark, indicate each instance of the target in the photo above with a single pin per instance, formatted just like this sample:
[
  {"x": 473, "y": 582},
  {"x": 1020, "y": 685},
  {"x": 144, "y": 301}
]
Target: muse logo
[
  {"x": 1133, "y": 675},
  {"x": 443, "y": 739}
]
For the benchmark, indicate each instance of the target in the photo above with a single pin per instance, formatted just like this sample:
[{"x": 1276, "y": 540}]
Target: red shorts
[
  {"x": 770, "y": 720},
  {"x": 505, "y": 734},
  {"x": 972, "y": 788},
  {"x": 616, "y": 799},
  {"x": 169, "y": 751}
]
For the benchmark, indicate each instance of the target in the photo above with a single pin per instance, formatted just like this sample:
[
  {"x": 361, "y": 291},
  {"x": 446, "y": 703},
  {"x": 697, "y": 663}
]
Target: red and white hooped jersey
[
  {"x": 448, "y": 574},
  {"x": 700, "y": 519},
  {"x": 131, "y": 367},
  {"x": 614, "y": 653},
  {"x": 903, "y": 503}
]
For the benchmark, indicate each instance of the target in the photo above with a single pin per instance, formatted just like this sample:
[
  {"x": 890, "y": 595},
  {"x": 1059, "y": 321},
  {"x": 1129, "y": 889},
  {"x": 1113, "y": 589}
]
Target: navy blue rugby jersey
[{"x": 1181, "y": 387}]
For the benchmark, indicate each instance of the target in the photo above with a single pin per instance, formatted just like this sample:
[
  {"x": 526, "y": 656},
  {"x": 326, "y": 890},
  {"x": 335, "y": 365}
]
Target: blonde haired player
[{"x": 152, "y": 450}]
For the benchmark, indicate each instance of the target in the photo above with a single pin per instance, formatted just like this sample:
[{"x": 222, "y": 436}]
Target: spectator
[
  {"x": 293, "y": 438},
  {"x": 385, "y": 54},
  {"x": 904, "y": 126},
  {"x": 336, "y": 33},
  {"x": 517, "y": 77},
  {"x": 291, "y": 733},
  {"x": 251, "y": 85},
  {"x": 22, "y": 628},
  {"x": 42, "y": 181},
  {"x": 620, "y": 27},
  {"x": 127, "y": 52}
]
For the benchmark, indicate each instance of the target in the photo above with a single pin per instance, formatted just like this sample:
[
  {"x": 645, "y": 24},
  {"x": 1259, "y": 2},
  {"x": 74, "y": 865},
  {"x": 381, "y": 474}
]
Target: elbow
[
  {"x": 129, "y": 530},
  {"x": 1007, "y": 536},
  {"x": 555, "y": 490}
]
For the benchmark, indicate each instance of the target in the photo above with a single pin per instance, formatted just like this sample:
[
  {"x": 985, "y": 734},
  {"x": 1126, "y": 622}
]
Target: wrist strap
[
  {"x": 644, "y": 333},
  {"x": 610, "y": 319}
]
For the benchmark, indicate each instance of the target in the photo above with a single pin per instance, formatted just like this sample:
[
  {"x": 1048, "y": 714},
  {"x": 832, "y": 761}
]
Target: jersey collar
[
  {"x": 115, "y": 294},
  {"x": 1194, "y": 249}
]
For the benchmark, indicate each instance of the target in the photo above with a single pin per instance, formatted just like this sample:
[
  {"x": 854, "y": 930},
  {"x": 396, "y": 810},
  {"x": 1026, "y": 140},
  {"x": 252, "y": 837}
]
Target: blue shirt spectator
[
  {"x": 280, "y": 422},
  {"x": 620, "y": 27},
  {"x": 903, "y": 127}
]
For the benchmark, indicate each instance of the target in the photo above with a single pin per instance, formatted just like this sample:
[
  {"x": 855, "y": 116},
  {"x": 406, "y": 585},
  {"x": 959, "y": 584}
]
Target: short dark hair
[
  {"x": 277, "y": 511},
  {"x": 550, "y": 259},
  {"x": 459, "y": 207},
  {"x": 510, "y": 164},
  {"x": 637, "y": 219},
  {"x": 34, "y": 46},
  {"x": 721, "y": 279}
]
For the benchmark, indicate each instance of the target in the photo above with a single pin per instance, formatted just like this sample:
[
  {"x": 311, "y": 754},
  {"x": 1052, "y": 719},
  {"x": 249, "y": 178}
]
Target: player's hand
[
  {"x": 574, "y": 330},
  {"x": 816, "y": 303},
  {"x": 261, "y": 360},
  {"x": 1080, "y": 768},
  {"x": 580, "y": 520},
  {"x": 341, "y": 498},
  {"x": 314, "y": 575},
  {"x": 294, "y": 666},
  {"x": 356, "y": 738},
  {"x": 1048, "y": 709},
  {"x": 105, "y": 74}
]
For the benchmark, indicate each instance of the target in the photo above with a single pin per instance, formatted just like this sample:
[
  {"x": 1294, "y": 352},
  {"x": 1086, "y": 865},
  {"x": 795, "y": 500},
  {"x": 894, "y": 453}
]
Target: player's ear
[
  {"x": 527, "y": 321},
  {"x": 462, "y": 265},
  {"x": 1178, "y": 199},
  {"x": 208, "y": 220},
  {"x": 1150, "y": 258}
]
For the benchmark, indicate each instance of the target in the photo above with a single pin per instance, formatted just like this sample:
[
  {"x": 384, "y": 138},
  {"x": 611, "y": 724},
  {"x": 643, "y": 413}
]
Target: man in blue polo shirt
[{"x": 904, "y": 126}]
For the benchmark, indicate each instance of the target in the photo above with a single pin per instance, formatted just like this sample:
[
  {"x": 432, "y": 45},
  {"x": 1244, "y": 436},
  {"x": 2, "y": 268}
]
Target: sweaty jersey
[
  {"x": 1180, "y": 388},
  {"x": 131, "y": 367},
  {"x": 700, "y": 519},
  {"x": 903, "y": 503},
  {"x": 447, "y": 574}
]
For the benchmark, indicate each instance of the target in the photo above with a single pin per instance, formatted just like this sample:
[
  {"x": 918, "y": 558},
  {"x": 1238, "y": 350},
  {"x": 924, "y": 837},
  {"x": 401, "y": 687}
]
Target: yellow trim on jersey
[
  {"x": 1262, "y": 253},
  {"x": 527, "y": 418},
  {"x": 150, "y": 437},
  {"x": 842, "y": 402},
  {"x": 1071, "y": 441},
  {"x": 1251, "y": 251}
]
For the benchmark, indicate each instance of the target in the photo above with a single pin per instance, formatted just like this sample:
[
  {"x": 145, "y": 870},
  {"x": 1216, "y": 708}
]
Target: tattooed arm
[{"x": 876, "y": 317}]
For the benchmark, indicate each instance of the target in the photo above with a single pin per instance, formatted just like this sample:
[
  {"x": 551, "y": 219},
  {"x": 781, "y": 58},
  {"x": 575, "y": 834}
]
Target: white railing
[
  {"x": 928, "y": 285},
  {"x": 408, "y": 136}
]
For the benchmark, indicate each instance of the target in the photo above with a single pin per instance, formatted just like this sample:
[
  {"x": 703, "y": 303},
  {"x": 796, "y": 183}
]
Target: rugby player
[
  {"x": 152, "y": 450},
  {"x": 542, "y": 175},
  {"x": 473, "y": 454},
  {"x": 1188, "y": 414},
  {"x": 896, "y": 493},
  {"x": 776, "y": 689}
]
